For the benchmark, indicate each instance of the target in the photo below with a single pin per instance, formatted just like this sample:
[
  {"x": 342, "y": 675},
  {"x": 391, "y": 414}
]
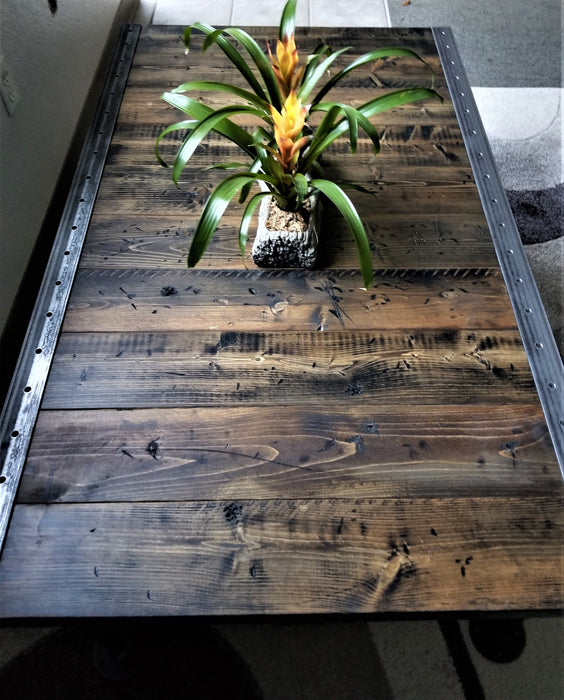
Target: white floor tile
[
  {"x": 184, "y": 12},
  {"x": 263, "y": 14},
  {"x": 323, "y": 13},
  {"x": 517, "y": 113},
  {"x": 524, "y": 128},
  {"x": 361, "y": 13}
]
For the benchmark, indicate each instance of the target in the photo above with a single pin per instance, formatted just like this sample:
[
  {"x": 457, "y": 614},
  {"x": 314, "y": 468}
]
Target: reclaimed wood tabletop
[{"x": 227, "y": 440}]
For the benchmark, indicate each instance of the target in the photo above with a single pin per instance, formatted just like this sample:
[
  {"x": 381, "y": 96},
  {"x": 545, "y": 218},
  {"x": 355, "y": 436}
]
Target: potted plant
[{"x": 285, "y": 150}]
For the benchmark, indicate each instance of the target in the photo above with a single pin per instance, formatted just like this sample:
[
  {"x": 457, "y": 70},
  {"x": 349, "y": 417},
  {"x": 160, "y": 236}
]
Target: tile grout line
[{"x": 387, "y": 11}]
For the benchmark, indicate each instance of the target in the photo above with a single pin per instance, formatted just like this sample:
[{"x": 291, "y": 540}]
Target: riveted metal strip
[
  {"x": 538, "y": 340},
  {"x": 26, "y": 390}
]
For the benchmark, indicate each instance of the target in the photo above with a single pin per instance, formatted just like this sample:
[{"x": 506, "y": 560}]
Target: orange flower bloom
[
  {"x": 288, "y": 125},
  {"x": 285, "y": 65}
]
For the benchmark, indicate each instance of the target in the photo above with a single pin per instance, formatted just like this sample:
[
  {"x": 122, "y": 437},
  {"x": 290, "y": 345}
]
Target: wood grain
[
  {"x": 136, "y": 370},
  {"x": 283, "y": 556},
  {"x": 299, "y": 300},
  {"x": 229, "y": 440},
  {"x": 369, "y": 451}
]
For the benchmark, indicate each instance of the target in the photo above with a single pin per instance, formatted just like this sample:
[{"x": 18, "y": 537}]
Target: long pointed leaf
[
  {"x": 246, "y": 218},
  {"x": 233, "y": 55},
  {"x": 334, "y": 193},
  {"x": 315, "y": 75},
  {"x": 362, "y": 60},
  {"x": 214, "y": 210},
  {"x": 355, "y": 119},
  {"x": 200, "y": 111},
  {"x": 287, "y": 20},
  {"x": 179, "y": 126},
  {"x": 368, "y": 109},
  {"x": 262, "y": 63},
  {"x": 224, "y": 87},
  {"x": 313, "y": 59},
  {"x": 201, "y": 131}
]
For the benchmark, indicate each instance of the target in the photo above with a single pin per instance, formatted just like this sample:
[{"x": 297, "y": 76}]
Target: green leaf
[
  {"x": 352, "y": 118},
  {"x": 179, "y": 126},
  {"x": 336, "y": 195},
  {"x": 369, "y": 109},
  {"x": 362, "y": 60},
  {"x": 313, "y": 59},
  {"x": 214, "y": 210},
  {"x": 355, "y": 119},
  {"x": 200, "y": 111},
  {"x": 396, "y": 99},
  {"x": 261, "y": 62},
  {"x": 287, "y": 20},
  {"x": 255, "y": 168},
  {"x": 316, "y": 74},
  {"x": 246, "y": 218},
  {"x": 201, "y": 131},
  {"x": 216, "y": 36},
  {"x": 302, "y": 187},
  {"x": 224, "y": 87},
  {"x": 226, "y": 166}
]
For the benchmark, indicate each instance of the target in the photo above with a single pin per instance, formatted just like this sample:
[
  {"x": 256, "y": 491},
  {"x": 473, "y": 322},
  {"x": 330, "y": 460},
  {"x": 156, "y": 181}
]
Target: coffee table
[{"x": 227, "y": 440}]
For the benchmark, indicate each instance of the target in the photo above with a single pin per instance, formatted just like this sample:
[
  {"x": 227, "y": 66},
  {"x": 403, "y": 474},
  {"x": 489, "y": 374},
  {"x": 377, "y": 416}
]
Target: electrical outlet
[{"x": 8, "y": 88}]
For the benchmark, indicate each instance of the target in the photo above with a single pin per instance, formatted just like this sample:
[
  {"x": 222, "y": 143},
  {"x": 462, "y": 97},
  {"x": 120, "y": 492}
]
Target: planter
[{"x": 287, "y": 239}]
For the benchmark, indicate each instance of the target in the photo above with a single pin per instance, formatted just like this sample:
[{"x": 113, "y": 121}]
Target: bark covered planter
[{"x": 287, "y": 239}]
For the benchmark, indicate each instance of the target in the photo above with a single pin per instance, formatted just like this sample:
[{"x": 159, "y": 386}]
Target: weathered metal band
[
  {"x": 26, "y": 390},
  {"x": 538, "y": 340}
]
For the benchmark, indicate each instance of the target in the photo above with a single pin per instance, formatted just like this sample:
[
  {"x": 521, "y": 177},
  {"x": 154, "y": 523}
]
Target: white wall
[{"x": 53, "y": 59}]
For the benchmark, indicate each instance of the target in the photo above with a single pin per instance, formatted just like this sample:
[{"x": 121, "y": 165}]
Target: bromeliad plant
[{"x": 284, "y": 151}]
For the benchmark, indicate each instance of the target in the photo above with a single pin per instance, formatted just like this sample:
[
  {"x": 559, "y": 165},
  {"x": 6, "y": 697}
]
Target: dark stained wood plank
[
  {"x": 413, "y": 241},
  {"x": 119, "y": 300},
  {"x": 135, "y": 370},
  {"x": 264, "y": 453},
  {"x": 161, "y": 58},
  {"x": 283, "y": 556}
]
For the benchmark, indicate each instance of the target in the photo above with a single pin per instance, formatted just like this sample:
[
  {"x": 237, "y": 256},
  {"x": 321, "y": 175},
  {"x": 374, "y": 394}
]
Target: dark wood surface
[{"x": 229, "y": 440}]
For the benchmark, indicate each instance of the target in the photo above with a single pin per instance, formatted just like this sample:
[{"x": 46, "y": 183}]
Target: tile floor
[{"x": 511, "y": 50}]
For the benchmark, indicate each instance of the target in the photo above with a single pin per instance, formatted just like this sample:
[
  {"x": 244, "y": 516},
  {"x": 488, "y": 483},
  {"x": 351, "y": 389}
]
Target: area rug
[{"x": 538, "y": 213}]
